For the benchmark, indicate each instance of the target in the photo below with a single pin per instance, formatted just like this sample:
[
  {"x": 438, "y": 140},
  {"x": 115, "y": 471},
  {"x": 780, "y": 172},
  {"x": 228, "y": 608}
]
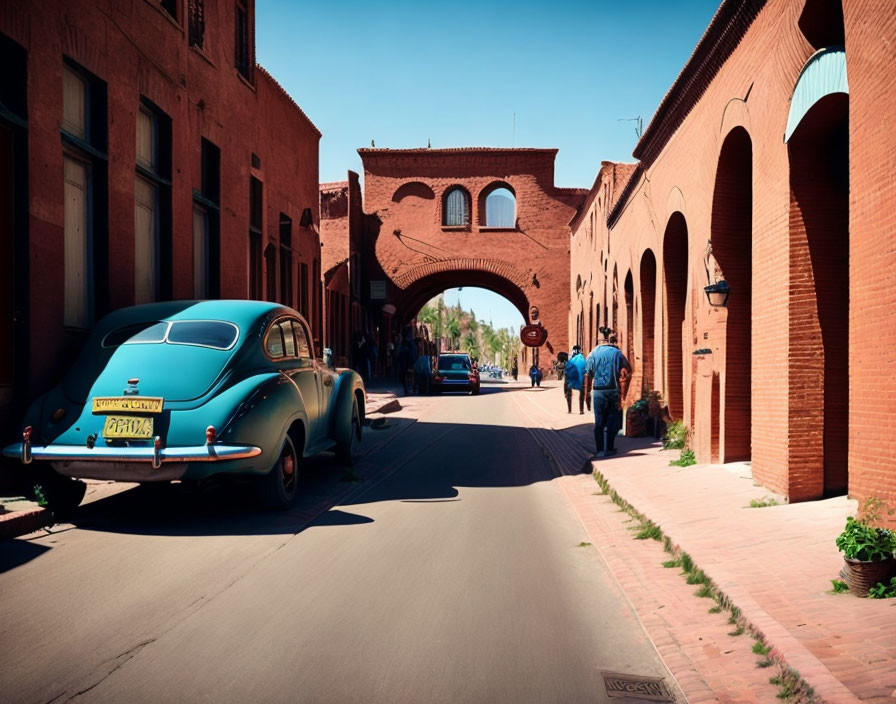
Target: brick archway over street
[{"x": 485, "y": 217}]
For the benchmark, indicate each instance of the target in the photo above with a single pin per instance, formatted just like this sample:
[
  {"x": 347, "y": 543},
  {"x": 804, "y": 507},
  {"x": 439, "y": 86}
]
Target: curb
[
  {"x": 786, "y": 649},
  {"x": 19, "y": 523}
]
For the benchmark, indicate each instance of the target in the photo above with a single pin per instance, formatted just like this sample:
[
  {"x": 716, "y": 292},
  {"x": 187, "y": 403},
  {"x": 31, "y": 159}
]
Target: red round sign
[{"x": 533, "y": 335}]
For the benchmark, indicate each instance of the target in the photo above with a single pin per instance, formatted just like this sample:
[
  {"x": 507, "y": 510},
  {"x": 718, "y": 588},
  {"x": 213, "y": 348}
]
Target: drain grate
[{"x": 637, "y": 687}]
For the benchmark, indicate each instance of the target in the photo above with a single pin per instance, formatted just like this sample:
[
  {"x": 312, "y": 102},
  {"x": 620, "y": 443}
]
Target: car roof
[{"x": 244, "y": 314}]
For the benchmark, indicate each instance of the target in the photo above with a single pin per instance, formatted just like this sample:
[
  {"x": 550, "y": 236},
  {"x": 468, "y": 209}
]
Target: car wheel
[
  {"x": 61, "y": 494},
  {"x": 345, "y": 453},
  {"x": 277, "y": 489}
]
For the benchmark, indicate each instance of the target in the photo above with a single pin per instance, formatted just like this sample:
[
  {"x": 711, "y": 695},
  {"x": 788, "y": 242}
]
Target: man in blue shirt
[
  {"x": 574, "y": 379},
  {"x": 603, "y": 368}
]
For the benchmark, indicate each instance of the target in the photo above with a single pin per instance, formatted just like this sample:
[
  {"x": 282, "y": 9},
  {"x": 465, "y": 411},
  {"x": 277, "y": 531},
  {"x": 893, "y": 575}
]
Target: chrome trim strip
[{"x": 197, "y": 453}]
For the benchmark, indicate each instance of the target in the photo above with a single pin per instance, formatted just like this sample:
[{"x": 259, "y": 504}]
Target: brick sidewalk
[{"x": 775, "y": 564}]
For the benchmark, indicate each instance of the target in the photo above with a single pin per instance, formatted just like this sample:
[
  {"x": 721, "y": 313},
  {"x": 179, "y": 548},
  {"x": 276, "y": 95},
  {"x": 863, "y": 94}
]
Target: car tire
[
  {"x": 278, "y": 488},
  {"x": 345, "y": 453},
  {"x": 62, "y": 494}
]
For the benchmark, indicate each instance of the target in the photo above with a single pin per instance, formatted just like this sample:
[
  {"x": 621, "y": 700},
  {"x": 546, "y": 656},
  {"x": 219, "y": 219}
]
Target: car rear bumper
[
  {"x": 455, "y": 385},
  {"x": 132, "y": 464},
  {"x": 79, "y": 453}
]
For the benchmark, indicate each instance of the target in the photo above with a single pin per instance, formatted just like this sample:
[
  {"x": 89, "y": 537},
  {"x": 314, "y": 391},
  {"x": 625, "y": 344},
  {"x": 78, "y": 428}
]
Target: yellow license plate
[
  {"x": 128, "y": 404},
  {"x": 128, "y": 428}
]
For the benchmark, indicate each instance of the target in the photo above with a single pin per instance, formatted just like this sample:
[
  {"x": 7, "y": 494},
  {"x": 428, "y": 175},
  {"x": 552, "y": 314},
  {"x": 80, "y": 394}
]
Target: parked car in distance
[
  {"x": 455, "y": 371},
  {"x": 184, "y": 390}
]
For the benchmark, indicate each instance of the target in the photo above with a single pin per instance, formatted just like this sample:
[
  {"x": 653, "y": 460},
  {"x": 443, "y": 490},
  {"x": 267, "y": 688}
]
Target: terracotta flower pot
[{"x": 860, "y": 576}]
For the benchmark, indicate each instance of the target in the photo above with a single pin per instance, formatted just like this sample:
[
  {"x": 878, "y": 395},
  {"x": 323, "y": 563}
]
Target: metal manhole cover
[{"x": 637, "y": 687}]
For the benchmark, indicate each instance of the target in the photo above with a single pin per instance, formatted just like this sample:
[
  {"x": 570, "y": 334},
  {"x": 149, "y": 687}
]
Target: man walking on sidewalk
[
  {"x": 603, "y": 369},
  {"x": 574, "y": 380}
]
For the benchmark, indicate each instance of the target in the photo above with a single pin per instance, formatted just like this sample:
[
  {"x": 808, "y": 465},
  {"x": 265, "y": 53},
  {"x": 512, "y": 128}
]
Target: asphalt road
[{"x": 451, "y": 573}]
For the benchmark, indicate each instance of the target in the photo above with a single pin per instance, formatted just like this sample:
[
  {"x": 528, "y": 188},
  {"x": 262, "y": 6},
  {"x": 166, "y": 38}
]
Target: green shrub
[
  {"x": 676, "y": 437},
  {"x": 860, "y": 541},
  {"x": 883, "y": 591}
]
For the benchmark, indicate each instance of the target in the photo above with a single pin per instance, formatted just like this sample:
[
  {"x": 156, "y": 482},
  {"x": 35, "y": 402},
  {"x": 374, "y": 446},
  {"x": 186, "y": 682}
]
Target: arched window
[
  {"x": 500, "y": 208},
  {"x": 457, "y": 208}
]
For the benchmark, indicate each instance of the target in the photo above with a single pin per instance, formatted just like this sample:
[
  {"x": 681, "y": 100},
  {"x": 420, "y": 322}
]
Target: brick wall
[
  {"x": 139, "y": 51},
  {"x": 774, "y": 369}
]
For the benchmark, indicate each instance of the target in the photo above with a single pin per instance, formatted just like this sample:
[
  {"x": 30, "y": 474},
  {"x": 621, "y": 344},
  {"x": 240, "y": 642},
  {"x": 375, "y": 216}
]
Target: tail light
[
  {"x": 26, "y": 445},
  {"x": 211, "y": 435},
  {"x": 437, "y": 378}
]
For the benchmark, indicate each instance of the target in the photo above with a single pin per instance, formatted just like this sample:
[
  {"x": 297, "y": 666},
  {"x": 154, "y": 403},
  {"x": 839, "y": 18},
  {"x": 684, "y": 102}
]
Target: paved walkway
[{"x": 774, "y": 564}]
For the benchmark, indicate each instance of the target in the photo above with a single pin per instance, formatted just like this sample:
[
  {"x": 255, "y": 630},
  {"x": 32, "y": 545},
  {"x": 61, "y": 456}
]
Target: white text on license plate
[{"x": 128, "y": 427}]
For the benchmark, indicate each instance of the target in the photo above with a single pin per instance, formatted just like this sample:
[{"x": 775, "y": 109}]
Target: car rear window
[
  {"x": 205, "y": 333},
  {"x": 149, "y": 332},
  {"x": 216, "y": 334},
  {"x": 454, "y": 363}
]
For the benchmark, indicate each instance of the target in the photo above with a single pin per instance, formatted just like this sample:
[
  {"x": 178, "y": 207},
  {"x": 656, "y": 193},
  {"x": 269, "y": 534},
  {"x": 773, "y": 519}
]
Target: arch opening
[
  {"x": 732, "y": 245},
  {"x": 819, "y": 276},
  {"x": 675, "y": 274},
  {"x": 648, "y": 309},
  {"x": 629, "y": 336}
]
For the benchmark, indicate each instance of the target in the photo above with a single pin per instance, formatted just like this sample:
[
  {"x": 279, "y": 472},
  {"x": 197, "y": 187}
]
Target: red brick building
[
  {"x": 341, "y": 223},
  {"x": 763, "y": 147},
  {"x": 487, "y": 217},
  {"x": 145, "y": 156}
]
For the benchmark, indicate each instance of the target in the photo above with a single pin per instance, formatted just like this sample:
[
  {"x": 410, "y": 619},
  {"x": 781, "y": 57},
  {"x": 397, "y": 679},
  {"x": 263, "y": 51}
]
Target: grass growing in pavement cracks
[
  {"x": 764, "y": 502},
  {"x": 40, "y": 497},
  {"x": 583, "y": 544},
  {"x": 789, "y": 682},
  {"x": 686, "y": 460}
]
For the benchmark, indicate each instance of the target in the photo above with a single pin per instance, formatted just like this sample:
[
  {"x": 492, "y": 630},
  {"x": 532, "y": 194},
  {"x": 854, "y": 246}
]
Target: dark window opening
[
  {"x": 286, "y": 297},
  {"x": 196, "y": 22},
  {"x": 303, "y": 290},
  {"x": 243, "y": 55},
  {"x": 270, "y": 265},
  {"x": 256, "y": 208},
  {"x": 169, "y": 6},
  {"x": 207, "y": 225}
]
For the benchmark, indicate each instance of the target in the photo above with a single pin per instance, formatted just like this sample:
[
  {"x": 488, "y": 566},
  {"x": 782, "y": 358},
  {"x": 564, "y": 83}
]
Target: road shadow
[
  {"x": 14, "y": 553},
  {"x": 417, "y": 462}
]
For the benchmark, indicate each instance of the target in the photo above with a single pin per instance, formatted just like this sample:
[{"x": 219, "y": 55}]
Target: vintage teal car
[{"x": 184, "y": 390}]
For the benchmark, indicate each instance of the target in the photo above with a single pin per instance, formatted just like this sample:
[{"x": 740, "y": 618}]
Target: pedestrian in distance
[
  {"x": 603, "y": 369},
  {"x": 574, "y": 380},
  {"x": 407, "y": 355},
  {"x": 514, "y": 369},
  {"x": 535, "y": 374}
]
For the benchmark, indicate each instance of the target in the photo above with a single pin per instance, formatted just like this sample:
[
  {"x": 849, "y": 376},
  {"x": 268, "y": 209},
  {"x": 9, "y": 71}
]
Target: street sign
[{"x": 533, "y": 335}]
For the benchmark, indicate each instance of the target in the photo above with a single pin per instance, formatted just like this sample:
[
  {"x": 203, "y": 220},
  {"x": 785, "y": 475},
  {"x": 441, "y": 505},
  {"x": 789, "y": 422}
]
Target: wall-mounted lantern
[{"x": 717, "y": 288}]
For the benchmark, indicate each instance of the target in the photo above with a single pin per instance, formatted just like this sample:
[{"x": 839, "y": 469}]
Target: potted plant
[{"x": 867, "y": 549}]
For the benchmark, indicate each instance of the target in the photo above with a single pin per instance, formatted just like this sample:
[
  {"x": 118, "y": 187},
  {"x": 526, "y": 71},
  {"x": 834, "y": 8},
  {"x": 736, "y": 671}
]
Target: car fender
[
  {"x": 262, "y": 410},
  {"x": 348, "y": 383}
]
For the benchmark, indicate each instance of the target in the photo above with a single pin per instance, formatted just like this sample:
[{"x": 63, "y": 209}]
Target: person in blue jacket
[
  {"x": 603, "y": 369},
  {"x": 574, "y": 380},
  {"x": 535, "y": 374}
]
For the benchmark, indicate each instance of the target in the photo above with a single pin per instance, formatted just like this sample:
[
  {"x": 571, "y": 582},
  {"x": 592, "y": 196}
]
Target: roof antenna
[
  {"x": 428, "y": 144},
  {"x": 372, "y": 143},
  {"x": 639, "y": 124}
]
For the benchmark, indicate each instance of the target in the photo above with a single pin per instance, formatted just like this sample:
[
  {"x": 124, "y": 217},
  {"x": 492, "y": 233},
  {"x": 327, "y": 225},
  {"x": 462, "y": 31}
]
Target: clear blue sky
[{"x": 455, "y": 73}]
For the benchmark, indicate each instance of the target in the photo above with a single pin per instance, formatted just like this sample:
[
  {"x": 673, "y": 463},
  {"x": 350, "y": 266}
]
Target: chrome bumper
[{"x": 71, "y": 453}]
